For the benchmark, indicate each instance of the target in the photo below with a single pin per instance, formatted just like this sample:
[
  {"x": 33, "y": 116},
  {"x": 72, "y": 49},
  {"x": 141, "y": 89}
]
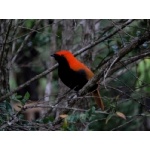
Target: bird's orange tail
[{"x": 98, "y": 99}]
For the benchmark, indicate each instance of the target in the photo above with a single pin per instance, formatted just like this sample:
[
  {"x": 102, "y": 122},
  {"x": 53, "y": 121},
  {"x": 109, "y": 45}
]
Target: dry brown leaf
[
  {"x": 117, "y": 97},
  {"x": 63, "y": 116},
  {"x": 121, "y": 115}
]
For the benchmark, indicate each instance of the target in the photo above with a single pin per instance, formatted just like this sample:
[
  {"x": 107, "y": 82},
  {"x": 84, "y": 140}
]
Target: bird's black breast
[{"x": 73, "y": 79}]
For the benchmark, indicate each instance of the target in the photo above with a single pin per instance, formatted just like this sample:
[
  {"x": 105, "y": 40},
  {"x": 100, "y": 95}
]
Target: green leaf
[
  {"x": 108, "y": 118},
  {"x": 65, "y": 124},
  {"x": 27, "y": 95},
  {"x": 18, "y": 96},
  {"x": 73, "y": 118},
  {"x": 90, "y": 111},
  {"x": 48, "y": 119},
  {"x": 25, "y": 98},
  {"x": 8, "y": 107},
  {"x": 93, "y": 109},
  {"x": 83, "y": 117}
]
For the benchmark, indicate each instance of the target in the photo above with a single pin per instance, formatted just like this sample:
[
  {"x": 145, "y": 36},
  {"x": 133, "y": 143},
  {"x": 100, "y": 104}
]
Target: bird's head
[{"x": 62, "y": 56}]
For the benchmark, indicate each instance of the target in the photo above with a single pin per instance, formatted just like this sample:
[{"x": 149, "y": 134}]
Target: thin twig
[
  {"x": 105, "y": 75},
  {"x": 121, "y": 29}
]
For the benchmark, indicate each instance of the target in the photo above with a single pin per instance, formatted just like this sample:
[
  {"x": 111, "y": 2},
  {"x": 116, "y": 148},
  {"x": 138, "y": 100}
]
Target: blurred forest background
[{"x": 32, "y": 97}]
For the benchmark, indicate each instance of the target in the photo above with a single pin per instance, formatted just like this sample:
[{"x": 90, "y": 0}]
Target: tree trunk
[{"x": 4, "y": 71}]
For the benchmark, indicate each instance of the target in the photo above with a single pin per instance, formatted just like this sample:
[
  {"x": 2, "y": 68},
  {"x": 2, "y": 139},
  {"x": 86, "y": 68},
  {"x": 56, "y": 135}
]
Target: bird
[{"x": 74, "y": 74}]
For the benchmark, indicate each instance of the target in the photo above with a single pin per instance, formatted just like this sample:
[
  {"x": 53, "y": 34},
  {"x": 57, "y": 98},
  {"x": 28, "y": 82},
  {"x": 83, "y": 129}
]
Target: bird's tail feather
[{"x": 98, "y": 99}]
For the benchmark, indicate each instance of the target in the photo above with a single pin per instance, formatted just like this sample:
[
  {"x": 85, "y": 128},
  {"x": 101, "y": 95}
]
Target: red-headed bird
[{"x": 75, "y": 74}]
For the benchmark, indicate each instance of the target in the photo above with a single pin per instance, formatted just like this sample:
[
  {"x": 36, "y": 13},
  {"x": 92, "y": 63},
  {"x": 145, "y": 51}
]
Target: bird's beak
[{"x": 53, "y": 55}]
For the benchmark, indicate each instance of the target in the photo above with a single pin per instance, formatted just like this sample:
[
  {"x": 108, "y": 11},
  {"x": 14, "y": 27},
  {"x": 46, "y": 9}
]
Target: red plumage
[{"x": 75, "y": 74}]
